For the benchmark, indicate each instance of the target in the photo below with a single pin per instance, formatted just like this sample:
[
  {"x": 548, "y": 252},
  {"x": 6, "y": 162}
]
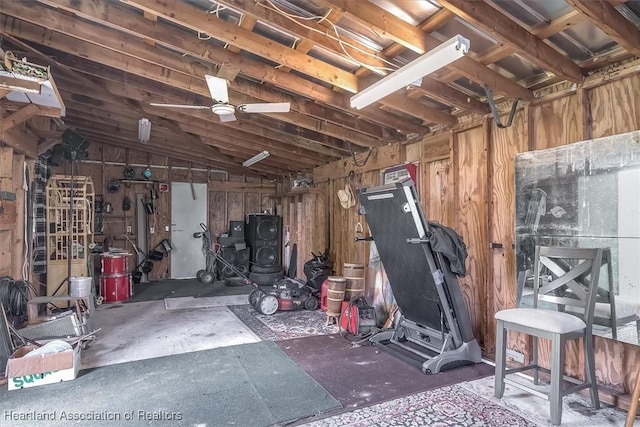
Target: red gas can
[{"x": 323, "y": 295}]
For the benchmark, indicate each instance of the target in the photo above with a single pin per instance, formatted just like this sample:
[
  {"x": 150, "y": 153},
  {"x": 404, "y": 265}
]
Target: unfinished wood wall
[
  {"x": 466, "y": 181},
  {"x": 12, "y": 209},
  {"x": 230, "y": 196}
]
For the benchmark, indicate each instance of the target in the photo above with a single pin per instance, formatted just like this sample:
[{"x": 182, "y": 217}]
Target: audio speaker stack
[
  {"x": 234, "y": 250},
  {"x": 263, "y": 233}
]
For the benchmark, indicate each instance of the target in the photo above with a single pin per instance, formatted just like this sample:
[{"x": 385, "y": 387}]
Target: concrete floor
[{"x": 143, "y": 330}]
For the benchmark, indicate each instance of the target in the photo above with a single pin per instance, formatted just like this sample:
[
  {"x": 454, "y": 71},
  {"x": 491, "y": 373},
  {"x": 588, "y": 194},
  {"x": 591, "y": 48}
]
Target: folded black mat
[
  {"x": 365, "y": 375},
  {"x": 175, "y": 288},
  {"x": 244, "y": 385}
]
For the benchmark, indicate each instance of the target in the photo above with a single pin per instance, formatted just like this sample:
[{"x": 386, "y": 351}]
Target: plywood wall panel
[
  {"x": 115, "y": 154},
  {"x": 557, "y": 122},
  {"x": 137, "y": 157},
  {"x": 504, "y": 145},
  {"x": 235, "y": 202},
  {"x": 471, "y": 178},
  {"x": 616, "y": 107},
  {"x": 252, "y": 201},
  {"x": 439, "y": 200}
]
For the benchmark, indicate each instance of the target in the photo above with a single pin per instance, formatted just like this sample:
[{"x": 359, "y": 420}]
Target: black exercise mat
[
  {"x": 175, "y": 288},
  {"x": 245, "y": 385},
  {"x": 366, "y": 375}
]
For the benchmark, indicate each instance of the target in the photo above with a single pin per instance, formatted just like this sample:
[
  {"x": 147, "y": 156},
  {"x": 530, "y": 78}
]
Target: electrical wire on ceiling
[{"x": 324, "y": 18}]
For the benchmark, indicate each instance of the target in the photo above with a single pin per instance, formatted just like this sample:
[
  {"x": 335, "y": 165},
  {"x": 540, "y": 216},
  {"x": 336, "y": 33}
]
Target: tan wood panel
[
  {"x": 557, "y": 123},
  {"x": 504, "y": 145},
  {"x": 616, "y": 107},
  {"x": 471, "y": 177}
]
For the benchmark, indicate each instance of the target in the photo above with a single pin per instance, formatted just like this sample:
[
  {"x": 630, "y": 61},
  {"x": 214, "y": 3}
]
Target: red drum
[
  {"x": 114, "y": 264},
  {"x": 115, "y": 288}
]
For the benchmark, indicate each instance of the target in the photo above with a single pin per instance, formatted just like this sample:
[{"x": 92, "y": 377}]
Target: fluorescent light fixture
[
  {"x": 144, "y": 130},
  {"x": 441, "y": 56},
  {"x": 255, "y": 159}
]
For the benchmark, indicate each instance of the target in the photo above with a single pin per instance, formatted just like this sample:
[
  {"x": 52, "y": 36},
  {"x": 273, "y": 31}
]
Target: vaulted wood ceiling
[{"x": 111, "y": 59}]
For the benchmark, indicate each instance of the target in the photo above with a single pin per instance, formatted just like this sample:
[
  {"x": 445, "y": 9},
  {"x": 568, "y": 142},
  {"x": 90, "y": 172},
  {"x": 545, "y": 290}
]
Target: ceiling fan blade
[
  {"x": 217, "y": 89},
  {"x": 274, "y": 107},
  {"x": 191, "y": 107},
  {"x": 227, "y": 117}
]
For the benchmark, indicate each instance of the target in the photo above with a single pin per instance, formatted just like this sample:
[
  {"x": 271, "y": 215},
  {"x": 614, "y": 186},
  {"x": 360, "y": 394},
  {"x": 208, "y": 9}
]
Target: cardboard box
[{"x": 24, "y": 372}]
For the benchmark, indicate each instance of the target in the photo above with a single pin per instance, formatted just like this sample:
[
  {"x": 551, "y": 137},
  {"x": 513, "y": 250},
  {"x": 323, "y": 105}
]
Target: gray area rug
[
  {"x": 284, "y": 325},
  {"x": 247, "y": 385}
]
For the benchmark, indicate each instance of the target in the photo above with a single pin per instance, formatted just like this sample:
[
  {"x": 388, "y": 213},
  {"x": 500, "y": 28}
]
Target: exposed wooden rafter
[
  {"x": 605, "y": 16},
  {"x": 505, "y": 30}
]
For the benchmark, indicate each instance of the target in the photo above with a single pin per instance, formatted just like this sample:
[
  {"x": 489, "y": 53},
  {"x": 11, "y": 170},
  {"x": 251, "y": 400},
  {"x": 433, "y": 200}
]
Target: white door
[{"x": 188, "y": 210}]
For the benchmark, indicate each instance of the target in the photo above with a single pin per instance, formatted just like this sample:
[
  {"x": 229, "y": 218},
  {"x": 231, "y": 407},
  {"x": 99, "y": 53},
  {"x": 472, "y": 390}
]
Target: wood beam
[
  {"x": 505, "y": 30},
  {"x": 184, "y": 81},
  {"x": 198, "y": 20},
  {"x": 116, "y": 16},
  {"x": 110, "y": 115},
  {"x": 415, "y": 39},
  {"x": 443, "y": 93},
  {"x": 142, "y": 91},
  {"x": 19, "y": 116},
  {"x": 19, "y": 85},
  {"x": 315, "y": 33},
  {"x": 19, "y": 140},
  {"x": 542, "y": 31},
  {"x": 605, "y": 16},
  {"x": 307, "y": 30},
  {"x": 430, "y": 24}
]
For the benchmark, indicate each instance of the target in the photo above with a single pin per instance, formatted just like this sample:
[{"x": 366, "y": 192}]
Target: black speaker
[
  {"x": 236, "y": 229},
  {"x": 263, "y": 234},
  {"x": 238, "y": 258}
]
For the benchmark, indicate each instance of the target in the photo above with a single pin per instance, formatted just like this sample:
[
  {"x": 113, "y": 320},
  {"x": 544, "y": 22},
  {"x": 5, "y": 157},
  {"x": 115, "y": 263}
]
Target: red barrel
[
  {"x": 115, "y": 288},
  {"x": 114, "y": 264}
]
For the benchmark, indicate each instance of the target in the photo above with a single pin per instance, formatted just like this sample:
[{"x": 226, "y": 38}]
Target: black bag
[{"x": 317, "y": 269}]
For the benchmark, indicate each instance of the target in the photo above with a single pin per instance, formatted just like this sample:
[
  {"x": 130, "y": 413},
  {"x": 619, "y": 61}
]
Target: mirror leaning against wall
[{"x": 585, "y": 195}]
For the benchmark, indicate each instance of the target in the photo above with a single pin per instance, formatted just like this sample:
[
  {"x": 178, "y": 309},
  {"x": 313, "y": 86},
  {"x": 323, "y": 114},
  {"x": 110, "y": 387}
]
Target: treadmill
[{"x": 433, "y": 331}]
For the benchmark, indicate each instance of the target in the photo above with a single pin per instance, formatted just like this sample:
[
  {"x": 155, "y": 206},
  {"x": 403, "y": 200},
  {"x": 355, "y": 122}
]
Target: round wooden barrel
[
  {"x": 354, "y": 273},
  {"x": 352, "y": 270},
  {"x": 354, "y": 288},
  {"x": 335, "y": 294}
]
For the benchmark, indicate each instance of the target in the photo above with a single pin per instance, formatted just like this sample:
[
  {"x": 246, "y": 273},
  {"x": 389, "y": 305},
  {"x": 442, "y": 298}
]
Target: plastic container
[
  {"x": 80, "y": 286},
  {"x": 323, "y": 295}
]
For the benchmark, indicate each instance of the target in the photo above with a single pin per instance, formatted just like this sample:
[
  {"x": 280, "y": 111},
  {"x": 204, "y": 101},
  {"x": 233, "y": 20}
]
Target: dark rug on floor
[
  {"x": 283, "y": 325},
  {"x": 447, "y": 406},
  {"x": 245, "y": 385},
  {"x": 174, "y": 288},
  {"x": 365, "y": 375}
]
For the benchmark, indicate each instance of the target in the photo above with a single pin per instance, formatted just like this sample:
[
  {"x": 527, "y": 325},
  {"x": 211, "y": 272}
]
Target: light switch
[
  {"x": 166, "y": 228},
  {"x": 152, "y": 230}
]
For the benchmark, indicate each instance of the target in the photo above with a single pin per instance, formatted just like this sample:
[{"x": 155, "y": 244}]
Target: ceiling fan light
[{"x": 223, "y": 109}]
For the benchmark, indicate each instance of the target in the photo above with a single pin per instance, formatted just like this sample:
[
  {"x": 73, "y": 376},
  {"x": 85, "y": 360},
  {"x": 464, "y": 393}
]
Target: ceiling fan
[{"x": 221, "y": 107}]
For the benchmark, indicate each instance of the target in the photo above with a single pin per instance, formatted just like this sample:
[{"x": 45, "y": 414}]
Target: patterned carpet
[
  {"x": 447, "y": 406},
  {"x": 472, "y": 403},
  {"x": 283, "y": 325}
]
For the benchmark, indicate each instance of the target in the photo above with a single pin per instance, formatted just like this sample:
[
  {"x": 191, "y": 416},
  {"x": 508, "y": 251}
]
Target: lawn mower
[{"x": 287, "y": 295}]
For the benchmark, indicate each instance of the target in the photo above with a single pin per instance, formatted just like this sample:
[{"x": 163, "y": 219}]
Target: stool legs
[
  {"x": 557, "y": 372},
  {"x": 590, "y": 365},
  {"x": 633, "y": 407},
  {"x": 501, "y": 355}
]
